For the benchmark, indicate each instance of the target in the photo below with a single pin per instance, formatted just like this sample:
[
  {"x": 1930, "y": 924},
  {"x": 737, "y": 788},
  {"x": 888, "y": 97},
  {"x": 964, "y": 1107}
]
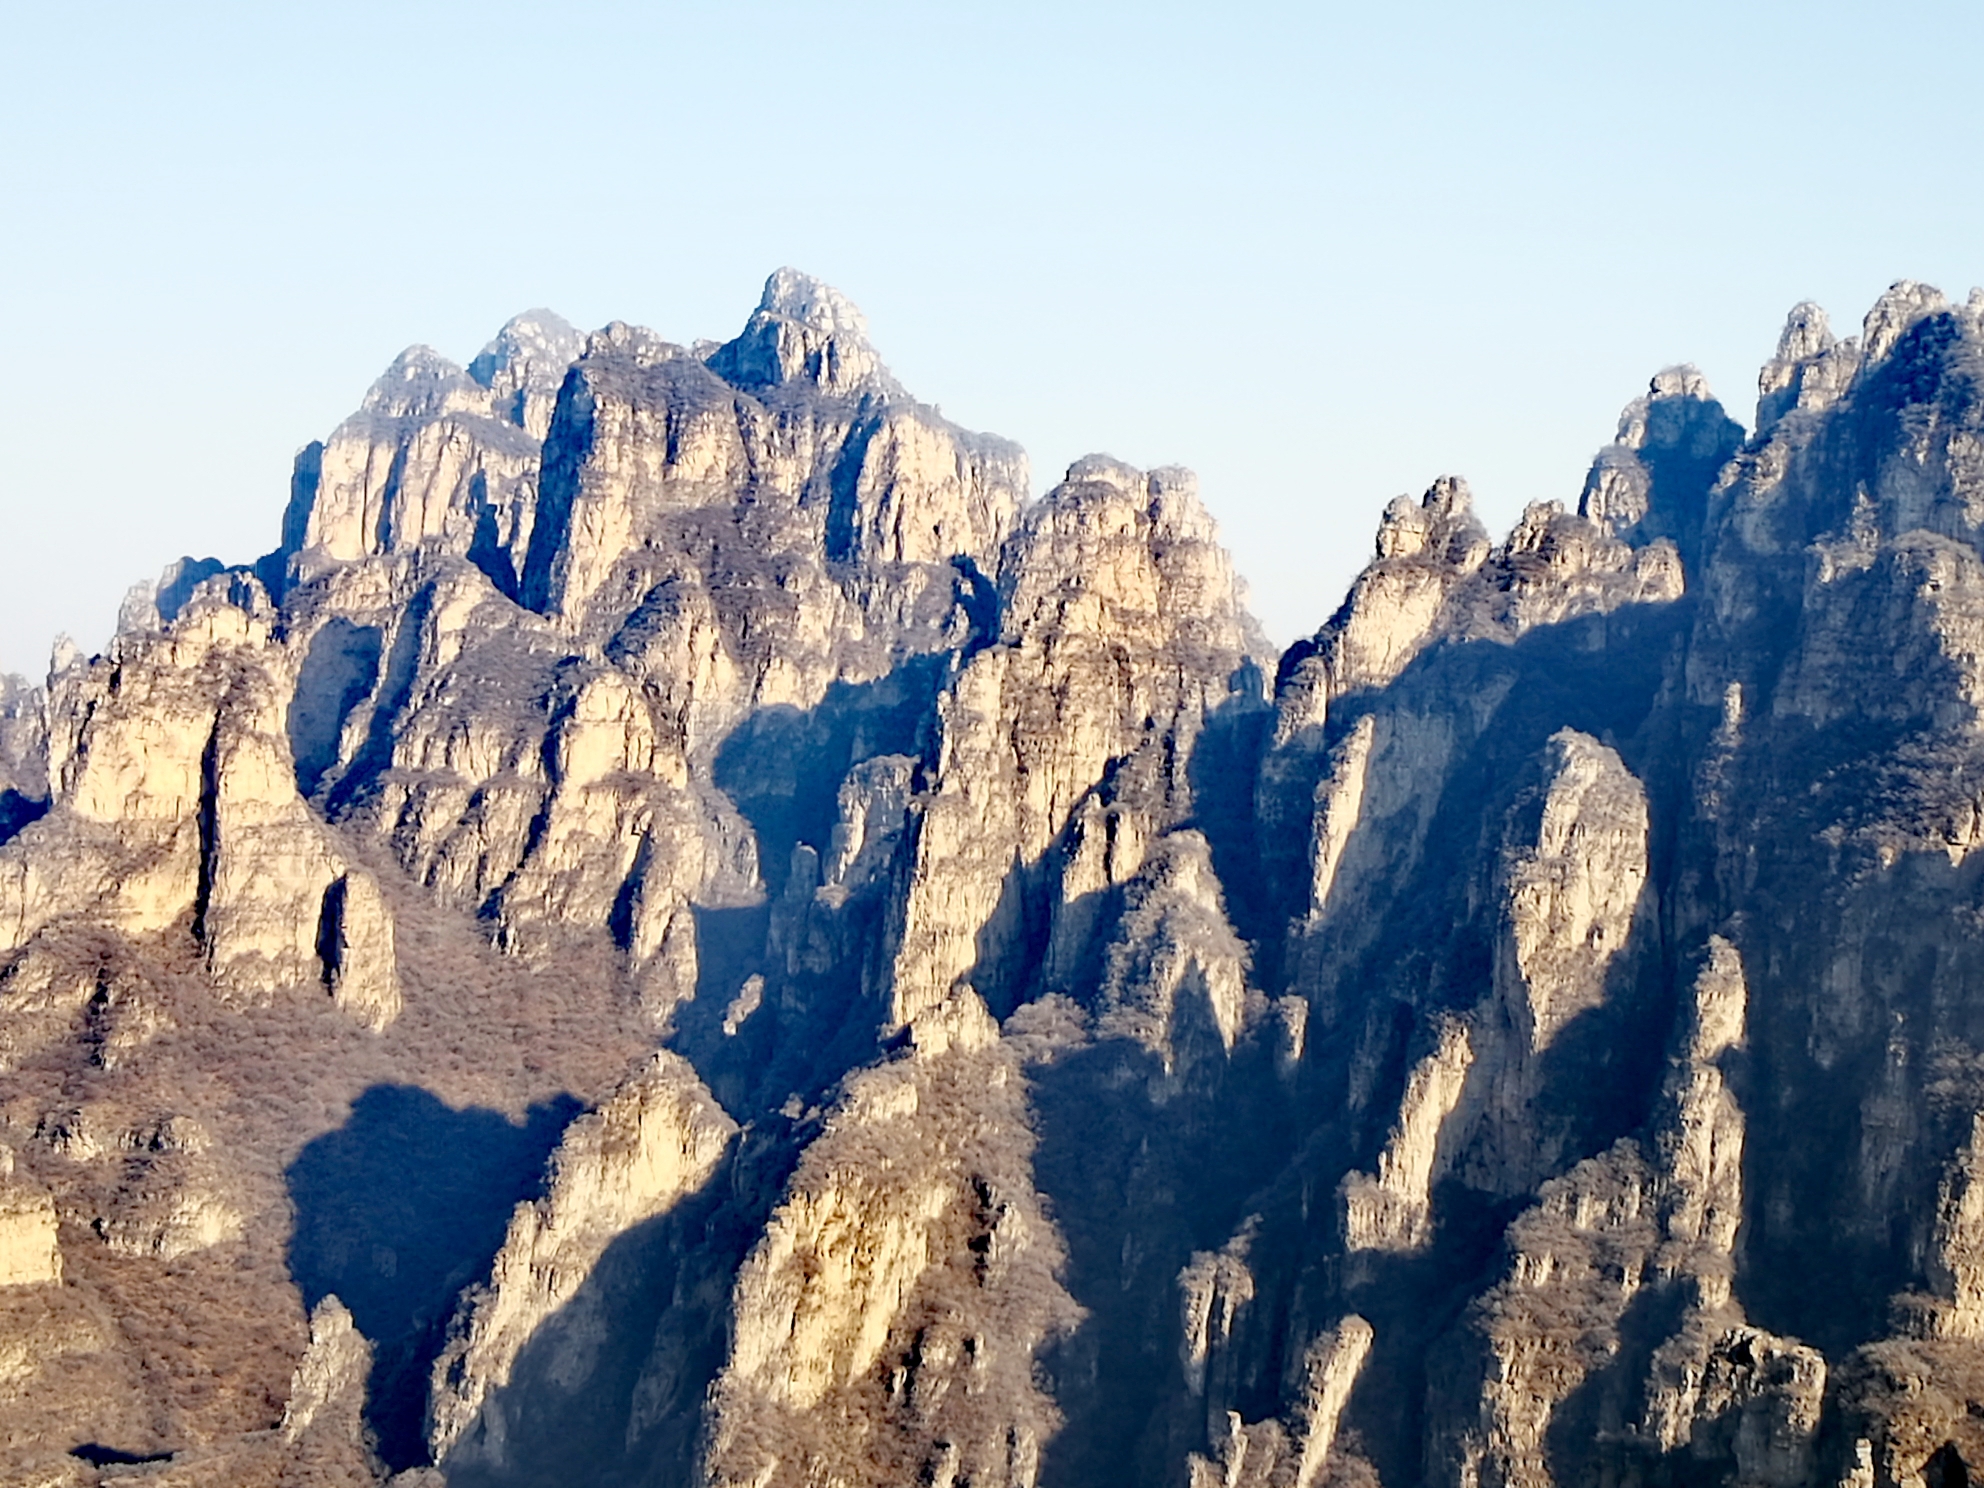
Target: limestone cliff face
[
  {"x": 1573, "y": 899},
  {"x": 656, "y": 1140},
  {"x": 23, "y": 753},
  {"x": 30, "y": 1248},
  {"x": 328, "y": 1390},
  {"x": 681, "y": 929},
  {"x": 1392, "y": 1208},
  {"x": 1294, "y": 1454},
  {"x": 175, "y": 801},
  {"x": 439, "y": 456},
  {"x": 1062, "y": 748},
  {"x": 885, "y": 1324},
  {"x": 1648, "y": 1226}
]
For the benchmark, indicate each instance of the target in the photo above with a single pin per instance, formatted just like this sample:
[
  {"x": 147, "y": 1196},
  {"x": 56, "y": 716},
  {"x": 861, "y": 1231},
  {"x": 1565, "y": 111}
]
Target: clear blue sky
[{"x": 1322, "y": 253}]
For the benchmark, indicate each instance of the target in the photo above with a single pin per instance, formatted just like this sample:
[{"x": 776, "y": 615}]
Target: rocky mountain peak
[
  {"x": 632, "y": 345},
  {"x": 803, "y": 331},
  {"x": 812, "y": 303},
  {"x": 1441, "y": 524},
  {"x": 1904, "y": 303},
  {"x": 524, "y": 364},
  {"x": 1669, "y": 386},
  {"x": 1106, "y": 470},
  {"x": 1807, "y": 332},
  {"x": 537, "y": 343},
  {"x": 1810, "y": 368},
  {"x": 422, "y": 384},
  {"x": 1653, "y": 480},
  {"x": 1122, "y": 552},
  {"x": 1168, "y": 495}
]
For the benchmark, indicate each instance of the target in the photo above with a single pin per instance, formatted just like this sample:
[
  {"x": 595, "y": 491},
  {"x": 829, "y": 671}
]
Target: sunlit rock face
[
  {"x": 654, "y": 1141},
  {"x": 681, "y": 927}
]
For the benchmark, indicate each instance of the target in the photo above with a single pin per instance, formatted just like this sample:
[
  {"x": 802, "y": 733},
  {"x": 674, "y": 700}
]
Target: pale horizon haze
[{"x": 1321, "y": 254}]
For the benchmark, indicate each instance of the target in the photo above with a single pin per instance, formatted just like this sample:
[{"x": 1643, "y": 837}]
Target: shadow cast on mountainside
[
  {"x": 1432, "y": 947},
  {"x": 17, "y": 813},
  {"x": 339, "y": 671},
  {"x": 1598, "y": 1080},
  {"x": 1862, "y": 1071},
  {"x": 1013, "y": 962},
  {"x": 725, "y": 1030},
  {"x": 1222, "y": 770},
  {"x": 776, "y": 1014},
  {"x": 1206, "y": 1168},
  {"x": 390, "y": 687},
  {"x": 616, "y": 1378},
  {"x": 1611, "y": 1400},
  {"x": 396, "y": 1211},
  {"x": 1134, "y": 1199},
  {"x": 782, "y": 767}
]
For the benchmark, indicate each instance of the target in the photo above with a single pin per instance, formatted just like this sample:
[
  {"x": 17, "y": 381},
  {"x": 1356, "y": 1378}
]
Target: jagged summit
[
  {"x": 1652, "y": 482},
  {"x": 524, "y": 365},
  {"x": 792, "y": 295},
  {"x": 1166, "y": 481},
  {"x": 422, "y": 384},
  {"x": 1438, "y": 576},
  {"x": 804, "y": 331},
  {"x": 537, "y": 338},
  {"x": 492, "y": 464}
]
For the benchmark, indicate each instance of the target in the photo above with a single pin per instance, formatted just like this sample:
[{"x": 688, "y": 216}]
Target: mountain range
[{"x": 681, "y": 928}]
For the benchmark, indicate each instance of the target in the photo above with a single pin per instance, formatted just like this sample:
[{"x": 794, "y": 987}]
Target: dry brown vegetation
[
  {"x": 958, "y": 1365},
  {"x": 148, "y": 1353}
]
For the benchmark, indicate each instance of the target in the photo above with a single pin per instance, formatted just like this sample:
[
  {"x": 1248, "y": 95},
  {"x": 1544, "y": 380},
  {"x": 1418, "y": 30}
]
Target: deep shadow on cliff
[
  {"x": 397, "y": 1211},
  {"x": 783, "y": 766},
  {"x": 780, "y": 1006},
  {"x": 615, "y": 1379},
  {"x": 1139, "y": 1185}
]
